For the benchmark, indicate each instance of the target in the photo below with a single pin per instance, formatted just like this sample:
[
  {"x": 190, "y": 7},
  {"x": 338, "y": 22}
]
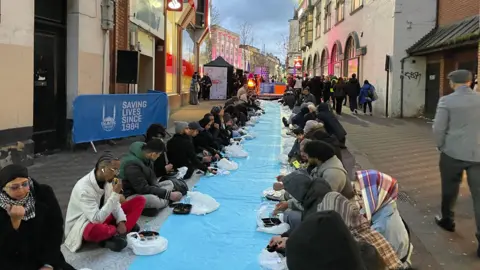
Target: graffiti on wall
[{"x": 413, "y": 75}]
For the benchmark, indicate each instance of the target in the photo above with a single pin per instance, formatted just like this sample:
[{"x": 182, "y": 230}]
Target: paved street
[{"x": 405, "y": 150}]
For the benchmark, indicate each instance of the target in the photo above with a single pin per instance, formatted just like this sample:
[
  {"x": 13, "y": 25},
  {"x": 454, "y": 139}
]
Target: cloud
[{"x": 269, "y": 19}]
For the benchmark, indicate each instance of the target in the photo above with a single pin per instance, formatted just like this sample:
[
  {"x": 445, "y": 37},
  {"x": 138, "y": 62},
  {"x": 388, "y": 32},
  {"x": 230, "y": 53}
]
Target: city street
[{"x": 404, "y": 149}]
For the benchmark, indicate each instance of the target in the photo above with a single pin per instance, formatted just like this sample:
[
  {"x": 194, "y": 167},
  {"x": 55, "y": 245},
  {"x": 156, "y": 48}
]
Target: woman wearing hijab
[
  {"x": 31, "y": 223},
  {"x": 331, "y": 123},
  {"x": 379, "y": 195},
  {"x": 360, "y": 227},
  {"x": 322, "y": 241}
]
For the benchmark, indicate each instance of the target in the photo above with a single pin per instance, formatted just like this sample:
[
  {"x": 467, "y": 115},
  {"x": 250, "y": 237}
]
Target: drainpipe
[
  {"x": 402, "y": 77},
  {"x": 106, "y": 54}
]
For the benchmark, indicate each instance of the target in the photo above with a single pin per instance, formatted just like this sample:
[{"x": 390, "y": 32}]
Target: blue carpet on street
[{"x": 226, "y": 238}]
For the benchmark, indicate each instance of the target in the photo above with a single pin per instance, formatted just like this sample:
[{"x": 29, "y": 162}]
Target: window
[
  {"x": 303, "y": 33},
  {"x": 356, "y": 4},
  {"x": 340, "y": 11},
  {"x": 327, "y": 24},
  {"x": 318, "y": 18}
]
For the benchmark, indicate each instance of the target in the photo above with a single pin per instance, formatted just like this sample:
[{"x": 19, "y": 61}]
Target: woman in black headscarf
[
  {"x": 31, "y": 223},
  {"x": 204, "y": 141},
  {"x": 323, "y": 241},
  {"x": 299, "y": 119}
]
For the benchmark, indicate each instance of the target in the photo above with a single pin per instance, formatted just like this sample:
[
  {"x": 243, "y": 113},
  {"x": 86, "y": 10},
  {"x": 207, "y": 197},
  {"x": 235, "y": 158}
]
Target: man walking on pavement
[{"x": 457, "y": 134}]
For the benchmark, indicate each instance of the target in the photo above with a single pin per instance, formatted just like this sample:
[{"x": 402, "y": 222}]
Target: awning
[{"x": 451, "y": 36}]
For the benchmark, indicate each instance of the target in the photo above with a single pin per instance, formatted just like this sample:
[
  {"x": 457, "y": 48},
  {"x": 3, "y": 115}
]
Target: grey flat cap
[
  {"x": 460, "y": 76},
  {"x": 180, "y": 126}
]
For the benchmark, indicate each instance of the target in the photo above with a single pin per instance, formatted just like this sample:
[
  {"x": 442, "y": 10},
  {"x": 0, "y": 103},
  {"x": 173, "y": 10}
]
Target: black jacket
[
  {"x": 330, "y": 122},
  {"x": 205, "y": 141},
  {"x": 159, "y": 165},
  {"x": 353, "y": 88},
  {"x": 37, "y": 241},
  {"x": 181, "y": 153}
]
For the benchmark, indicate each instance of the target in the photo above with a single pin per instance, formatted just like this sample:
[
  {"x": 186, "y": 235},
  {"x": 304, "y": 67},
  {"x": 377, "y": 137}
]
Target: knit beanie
[
  {"x": 11, "y": 172},
  {"x": 180, "y": 126}
]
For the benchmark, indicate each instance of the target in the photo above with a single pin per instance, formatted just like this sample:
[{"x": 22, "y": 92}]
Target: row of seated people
[
  {"x": 339, "y": 218},
  {"x": 108, "y": 201}
]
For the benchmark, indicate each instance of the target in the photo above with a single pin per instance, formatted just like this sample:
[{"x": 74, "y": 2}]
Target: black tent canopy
[{"x": 220, "y": 62}]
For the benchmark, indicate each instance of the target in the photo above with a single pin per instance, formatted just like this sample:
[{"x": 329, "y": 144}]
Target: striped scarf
[
  {"x": 360, "y": 227},
  {"x": 28, "y": 203},
  {"x": 378, "y": 189}
]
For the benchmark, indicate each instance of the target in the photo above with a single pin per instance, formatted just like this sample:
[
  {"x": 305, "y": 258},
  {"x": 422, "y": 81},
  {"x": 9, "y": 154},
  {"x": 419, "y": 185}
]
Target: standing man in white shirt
[{"x": 95, "y": 212}]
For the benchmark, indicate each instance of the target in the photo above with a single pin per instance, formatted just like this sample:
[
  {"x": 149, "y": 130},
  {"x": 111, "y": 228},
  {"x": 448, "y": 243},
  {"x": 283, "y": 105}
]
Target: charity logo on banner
[
  {"x": 218, "y": 75},
  {"x": 102, "y": 117}
]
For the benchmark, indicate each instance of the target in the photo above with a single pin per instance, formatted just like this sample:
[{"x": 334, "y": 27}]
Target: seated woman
[
  {"x": 360, "y": 227},
  {"x": 218, "y": 128},
  {"x": 31, "y": 223},
  {"x": 310, "y": 246},
  {"x": 379, "y": 195},
  {"x": 161, "y": 166},
  {"x": 329, "y": 167},
  {"x": 331, "y": 123}
]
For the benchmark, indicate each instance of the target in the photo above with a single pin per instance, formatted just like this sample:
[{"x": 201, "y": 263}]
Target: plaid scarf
[
  {"x": 378, "y": 189},
  {"x": 360, "y": 227},
  {"x": 28, "y": 203}
]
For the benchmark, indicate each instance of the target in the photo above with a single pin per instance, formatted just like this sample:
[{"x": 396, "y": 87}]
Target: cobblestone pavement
[{"x": 404, "y": 148}]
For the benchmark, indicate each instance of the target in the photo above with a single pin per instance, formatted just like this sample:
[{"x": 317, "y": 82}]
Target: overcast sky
[{"x": 269, "y": 18}]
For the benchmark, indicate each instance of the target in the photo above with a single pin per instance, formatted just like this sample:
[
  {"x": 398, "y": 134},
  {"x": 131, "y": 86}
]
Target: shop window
[
  {"x": 327, "y": 19},
  {"x": 171, "y": 45},
  {"x": 356, "y": 4},
  {"x": 188, "y": 60},
  {"x": 324, "y": 63},
  {"x": 351, "y": 59},
  {"x": 336, "y": 63},
  {"x": 340, "y": 11},
  {"x": 318, "y": 19}
]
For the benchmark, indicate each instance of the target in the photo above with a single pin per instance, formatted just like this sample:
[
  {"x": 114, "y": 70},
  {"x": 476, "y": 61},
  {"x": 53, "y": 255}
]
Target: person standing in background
[
  {"x": 205, "y": 84},
  {"x": 457, "y": 132},
  {"x": 353, "y": 91},
  {"x": 340, "y": 92}
]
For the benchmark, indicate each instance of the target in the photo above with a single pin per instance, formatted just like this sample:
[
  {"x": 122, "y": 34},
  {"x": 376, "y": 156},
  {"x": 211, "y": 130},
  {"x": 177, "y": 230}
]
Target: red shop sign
[
  {"x": 297, "y": 63},
  {"x": 174, "y": 5}
]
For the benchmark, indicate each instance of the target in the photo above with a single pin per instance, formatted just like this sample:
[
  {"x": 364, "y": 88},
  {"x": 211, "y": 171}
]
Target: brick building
[
  {"x": 453, "y": 44},
  {"x": 226, "y": 43}
]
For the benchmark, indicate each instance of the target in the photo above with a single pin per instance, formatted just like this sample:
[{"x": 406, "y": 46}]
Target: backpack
[{"x": 371, "y": 93}]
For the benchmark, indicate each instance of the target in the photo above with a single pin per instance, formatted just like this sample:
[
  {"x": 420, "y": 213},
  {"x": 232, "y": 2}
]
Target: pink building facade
[{"x": 226, "y": 44}]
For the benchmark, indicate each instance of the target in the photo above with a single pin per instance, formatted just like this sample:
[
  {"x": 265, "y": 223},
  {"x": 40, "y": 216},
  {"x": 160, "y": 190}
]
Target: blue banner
[{"x": 103, "y": 117}]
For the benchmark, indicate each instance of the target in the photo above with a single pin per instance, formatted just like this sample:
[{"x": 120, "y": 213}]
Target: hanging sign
[
  {"x": 175, "y": 5},
  {"x": 297, "y": 63}
]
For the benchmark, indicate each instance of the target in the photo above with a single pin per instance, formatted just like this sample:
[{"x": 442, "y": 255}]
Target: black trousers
[
  {"x": 338, "y": 104},
  {"x": 206, "y": 93},
  {"x": 352, "y": 101},
  {"x": 451, "y": 172},
  {"x": 369, "y": 104}
]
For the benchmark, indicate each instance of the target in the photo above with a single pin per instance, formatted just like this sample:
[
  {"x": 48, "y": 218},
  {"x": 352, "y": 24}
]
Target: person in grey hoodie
[{"x": 328, "y": 166}]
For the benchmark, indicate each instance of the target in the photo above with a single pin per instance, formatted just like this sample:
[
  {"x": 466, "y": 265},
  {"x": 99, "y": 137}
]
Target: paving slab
[{"x": 404, "y": 149}]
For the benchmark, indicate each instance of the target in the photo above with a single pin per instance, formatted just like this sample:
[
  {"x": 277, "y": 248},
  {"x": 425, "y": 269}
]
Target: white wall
[
  {"x": 384, "y": 27},
  {"x": 85, "y": 51},
  {"x": 374, "y": 26},
  {"x": 414, "y": 80},
  {"x": 413, "y": 20}
]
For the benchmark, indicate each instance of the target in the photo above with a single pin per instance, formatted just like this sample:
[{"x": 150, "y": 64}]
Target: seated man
[
  {"x": 329, "y": 167},
  {"x": 95, "y": 212},
  {"x": 161, "y": 166},
  {"x": 139, "y": 179},
  {"x": 294, "y": 153},
  {"x": 204, "y": 141},
  {"x": 181, "y": 151}
]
